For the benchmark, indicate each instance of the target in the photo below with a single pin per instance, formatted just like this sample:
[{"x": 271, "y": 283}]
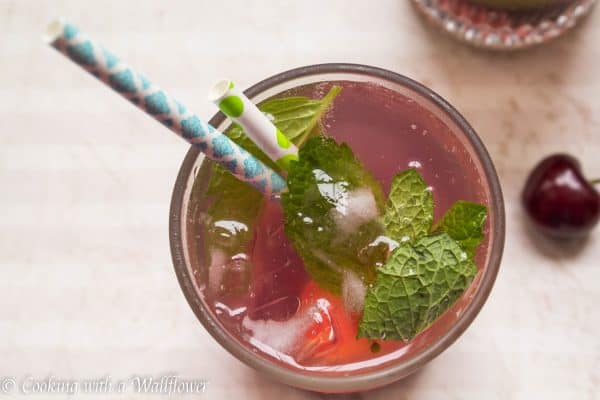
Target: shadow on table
[{"x": 554, "y": 249}]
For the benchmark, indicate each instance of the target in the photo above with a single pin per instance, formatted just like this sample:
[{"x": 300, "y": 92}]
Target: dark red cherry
[{"x": 559, "y": 200}]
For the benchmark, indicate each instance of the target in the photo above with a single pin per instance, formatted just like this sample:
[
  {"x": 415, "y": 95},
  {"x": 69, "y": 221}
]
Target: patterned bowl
[{"x": 497, "y": 29}]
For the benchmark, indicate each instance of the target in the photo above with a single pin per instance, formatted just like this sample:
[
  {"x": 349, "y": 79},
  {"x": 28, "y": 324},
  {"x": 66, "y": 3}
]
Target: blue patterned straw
[{"x": 157, "y": 103}]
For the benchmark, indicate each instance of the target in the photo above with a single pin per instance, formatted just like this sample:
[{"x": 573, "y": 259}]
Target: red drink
[{"x": 262, "y": 295}]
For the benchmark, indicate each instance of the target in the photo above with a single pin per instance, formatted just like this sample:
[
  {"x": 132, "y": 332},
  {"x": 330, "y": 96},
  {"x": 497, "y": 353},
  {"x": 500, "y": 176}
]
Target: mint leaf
[
  {"x": 427, "y": 272},
  {"x": 297, "y": 117},
  {"x": 232, "y": 200},
  {"x": 419, "y": 282},
  {"x": 331, "y": 212},
  {"x": 463, "y": 222},
  {"x": 409, "y": 209}
]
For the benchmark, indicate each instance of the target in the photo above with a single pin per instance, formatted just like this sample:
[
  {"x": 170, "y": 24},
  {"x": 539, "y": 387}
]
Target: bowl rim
[
  {"x": 544, "y": 25},
  {"x": 370, "y": 379}
]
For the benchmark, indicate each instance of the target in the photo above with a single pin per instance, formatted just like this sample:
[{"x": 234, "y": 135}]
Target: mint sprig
[
  {"x": 419, "y": 282},
  {"x": 298, "y": 119},
  {"x": 431, "y": 267},
  {"x": 322, "y": 184}
]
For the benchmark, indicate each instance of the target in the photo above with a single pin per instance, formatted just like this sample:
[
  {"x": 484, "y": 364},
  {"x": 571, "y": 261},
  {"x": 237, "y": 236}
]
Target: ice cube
[
  {"x": 279, "y": 335},
  {"x": 318, "y": 342},
  {"x": 216, "y": 270},
  {"x": 236, "y": 277},
  {"x": 308, "y": 335},
  {"x": 331, "y": 338},
  {"x": 229, "y": 275},
  {"x": 230, "y": 228},
  {"x": 231, "y": 234},
  {"x": 357, "y": 207},
  {"x": 353, "y": 292}
]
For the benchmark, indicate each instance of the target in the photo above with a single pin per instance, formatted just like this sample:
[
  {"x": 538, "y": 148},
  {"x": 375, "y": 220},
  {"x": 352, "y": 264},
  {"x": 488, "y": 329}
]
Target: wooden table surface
[{"x": 87, "y": 288}]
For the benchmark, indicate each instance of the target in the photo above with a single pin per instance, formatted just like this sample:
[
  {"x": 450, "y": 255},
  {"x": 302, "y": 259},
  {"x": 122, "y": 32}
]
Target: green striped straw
[{"x": 234, "y": 103}]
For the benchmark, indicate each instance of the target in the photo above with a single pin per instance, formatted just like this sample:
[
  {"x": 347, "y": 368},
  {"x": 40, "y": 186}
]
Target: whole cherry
[{"x": 558, "y": 198}]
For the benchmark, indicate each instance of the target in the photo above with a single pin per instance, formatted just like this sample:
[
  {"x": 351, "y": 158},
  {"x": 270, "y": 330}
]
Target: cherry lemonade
[{"x": 254, "y": 281}]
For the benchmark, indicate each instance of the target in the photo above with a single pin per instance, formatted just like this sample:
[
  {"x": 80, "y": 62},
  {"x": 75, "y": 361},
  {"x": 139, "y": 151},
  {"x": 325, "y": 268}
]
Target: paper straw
[
  {"x": 158, "y": 104},
  {"x": 234, "y": 103}
]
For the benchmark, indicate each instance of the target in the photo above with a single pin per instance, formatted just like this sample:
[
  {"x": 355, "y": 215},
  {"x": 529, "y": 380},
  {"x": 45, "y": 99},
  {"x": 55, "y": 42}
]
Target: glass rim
[{"x": 394, "y": 371}]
